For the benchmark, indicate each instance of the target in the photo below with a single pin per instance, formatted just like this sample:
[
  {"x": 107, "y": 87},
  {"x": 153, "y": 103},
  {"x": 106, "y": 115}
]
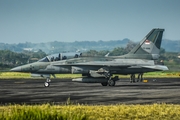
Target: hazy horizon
[{"x": 68, "y": 20}]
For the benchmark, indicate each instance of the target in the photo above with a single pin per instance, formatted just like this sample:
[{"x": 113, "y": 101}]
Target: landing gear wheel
[
  {"x": 46, "y": 84},
  {"x": 104, "y": 83},
  {"x": 111, "y": 82}
]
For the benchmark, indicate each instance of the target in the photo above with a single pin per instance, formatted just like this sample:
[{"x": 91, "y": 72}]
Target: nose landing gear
[{"x": 47, "y": 83}]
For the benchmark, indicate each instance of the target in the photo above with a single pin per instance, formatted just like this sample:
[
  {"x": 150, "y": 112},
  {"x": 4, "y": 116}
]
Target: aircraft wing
[{"x": 96, "y": 65}]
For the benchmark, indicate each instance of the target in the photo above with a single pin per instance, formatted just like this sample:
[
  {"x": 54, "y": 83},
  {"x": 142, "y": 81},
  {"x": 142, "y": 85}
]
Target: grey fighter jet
[{"x": 139, "y": 60}]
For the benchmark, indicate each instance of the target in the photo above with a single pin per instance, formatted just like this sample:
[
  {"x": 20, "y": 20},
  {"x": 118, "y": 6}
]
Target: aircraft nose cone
[{"x": 16, "y": 69}]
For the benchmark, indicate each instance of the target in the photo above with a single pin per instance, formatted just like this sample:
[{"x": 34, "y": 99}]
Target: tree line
[{"x": 11, "y": 59}]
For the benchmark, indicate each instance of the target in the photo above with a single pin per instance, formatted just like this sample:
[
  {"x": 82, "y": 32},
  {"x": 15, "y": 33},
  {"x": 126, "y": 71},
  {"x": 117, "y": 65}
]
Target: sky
[{"x": 39, "y": 21}]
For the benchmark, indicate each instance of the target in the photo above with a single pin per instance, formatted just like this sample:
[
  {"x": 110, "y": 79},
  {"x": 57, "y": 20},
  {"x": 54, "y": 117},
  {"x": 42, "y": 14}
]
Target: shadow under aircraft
[{"x": 139, "y": 60}]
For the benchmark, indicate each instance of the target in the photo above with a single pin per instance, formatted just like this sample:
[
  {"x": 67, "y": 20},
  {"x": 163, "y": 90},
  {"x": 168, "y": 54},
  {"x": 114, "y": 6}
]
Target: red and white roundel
[{"x": 147, "y": 42}]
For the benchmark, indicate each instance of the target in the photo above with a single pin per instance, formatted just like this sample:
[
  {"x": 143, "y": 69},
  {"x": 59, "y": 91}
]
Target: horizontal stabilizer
[{"x": 157, "y": 67}]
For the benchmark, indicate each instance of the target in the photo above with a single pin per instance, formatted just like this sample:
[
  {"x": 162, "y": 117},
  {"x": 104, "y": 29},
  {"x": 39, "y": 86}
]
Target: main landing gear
[
  {"x": 47, "y": 83},
  {"x": 139, "y": 78}
]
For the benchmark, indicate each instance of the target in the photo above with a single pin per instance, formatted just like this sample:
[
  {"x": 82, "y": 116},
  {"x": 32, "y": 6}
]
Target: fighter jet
[{"x": 139, "y": 60}]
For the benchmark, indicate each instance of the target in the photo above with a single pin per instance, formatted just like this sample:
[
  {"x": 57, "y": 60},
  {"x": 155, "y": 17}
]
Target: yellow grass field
[
  {"x": 93, "y": 112},
  {"x": 6, "y": 75}
]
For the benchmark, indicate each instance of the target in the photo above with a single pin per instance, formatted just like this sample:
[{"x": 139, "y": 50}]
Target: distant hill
[
  {"x": 171, "y": 45},
  {"x": 57, "y": 46}
]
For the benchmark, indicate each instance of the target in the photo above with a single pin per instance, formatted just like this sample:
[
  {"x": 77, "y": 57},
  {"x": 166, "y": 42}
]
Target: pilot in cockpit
[
  {"x": 52, "y": 58},
  {"x": 64, "y": 57}
]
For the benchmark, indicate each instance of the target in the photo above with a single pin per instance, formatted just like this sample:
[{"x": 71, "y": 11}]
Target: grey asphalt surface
[{"x": 32, "y": 91}]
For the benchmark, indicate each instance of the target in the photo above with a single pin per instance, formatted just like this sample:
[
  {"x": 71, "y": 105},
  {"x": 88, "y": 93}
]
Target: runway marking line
[{"x": 19, "y": 82}]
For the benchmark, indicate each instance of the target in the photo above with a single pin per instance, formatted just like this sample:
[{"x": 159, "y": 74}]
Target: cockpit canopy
[{"x": 60, "y": 56}]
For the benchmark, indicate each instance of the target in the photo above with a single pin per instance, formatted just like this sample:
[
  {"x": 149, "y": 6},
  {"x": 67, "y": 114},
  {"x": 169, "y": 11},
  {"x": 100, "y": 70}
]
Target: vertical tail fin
[{"x": 149, "y": 47}]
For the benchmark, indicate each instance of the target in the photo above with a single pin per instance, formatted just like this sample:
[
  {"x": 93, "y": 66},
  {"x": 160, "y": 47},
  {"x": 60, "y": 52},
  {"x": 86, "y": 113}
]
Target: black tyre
[
  {"x": 111, "y": 82},
  {"x": 46, "y": 84}
]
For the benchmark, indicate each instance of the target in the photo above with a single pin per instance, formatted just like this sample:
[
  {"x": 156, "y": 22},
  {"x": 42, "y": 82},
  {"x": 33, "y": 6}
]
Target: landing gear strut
[
  {"x": 139, "y": 78},
  {"x": 132, "y": 78}
]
